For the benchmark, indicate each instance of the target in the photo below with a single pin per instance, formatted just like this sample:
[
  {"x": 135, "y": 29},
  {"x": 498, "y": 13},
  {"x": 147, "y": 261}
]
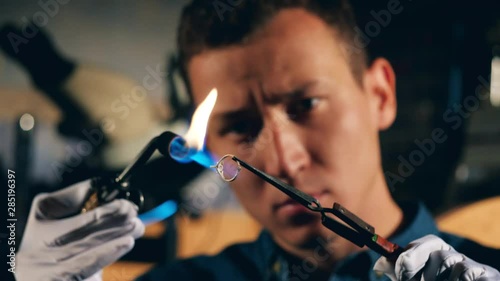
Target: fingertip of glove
[
  {"x": 138, "y": 229},
  {"x": 128, "y": 242},
  {"x": 381, "y": 264}
]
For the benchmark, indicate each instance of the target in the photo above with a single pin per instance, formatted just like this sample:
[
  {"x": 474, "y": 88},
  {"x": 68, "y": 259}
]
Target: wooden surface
[
  {"x": 125, "y": 271},
  {"x": 206, "y": 235},
  {"x": 478, "y": 221},
  {"x": 214, "y": 231},
  {"x": 17, "y": 102}
]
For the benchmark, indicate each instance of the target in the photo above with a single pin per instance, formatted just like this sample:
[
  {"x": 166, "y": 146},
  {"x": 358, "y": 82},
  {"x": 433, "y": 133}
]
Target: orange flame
[{"x": 195, "y": 136}]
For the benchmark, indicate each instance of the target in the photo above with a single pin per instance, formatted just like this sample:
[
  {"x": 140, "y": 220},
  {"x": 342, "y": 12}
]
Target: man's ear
[{"x": 380, "y": 84}]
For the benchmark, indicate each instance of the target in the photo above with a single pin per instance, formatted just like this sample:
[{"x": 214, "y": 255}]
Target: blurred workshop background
[{"x": 84, "y": 85}]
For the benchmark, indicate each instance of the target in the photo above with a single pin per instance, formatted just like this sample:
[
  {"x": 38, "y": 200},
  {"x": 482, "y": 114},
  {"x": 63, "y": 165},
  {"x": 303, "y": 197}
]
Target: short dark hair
[{"x": 209, "y": 24}]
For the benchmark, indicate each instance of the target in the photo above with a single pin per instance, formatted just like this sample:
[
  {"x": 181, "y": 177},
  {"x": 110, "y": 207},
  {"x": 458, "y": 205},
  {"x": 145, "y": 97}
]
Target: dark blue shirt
[{"x": 264, "y": 260}]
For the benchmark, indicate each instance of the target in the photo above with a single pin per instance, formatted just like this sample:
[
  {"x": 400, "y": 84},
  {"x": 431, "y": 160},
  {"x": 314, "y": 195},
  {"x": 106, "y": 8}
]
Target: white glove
[
  {"x": 57, "y": 247},
  {"x": 430, "y": 258}
]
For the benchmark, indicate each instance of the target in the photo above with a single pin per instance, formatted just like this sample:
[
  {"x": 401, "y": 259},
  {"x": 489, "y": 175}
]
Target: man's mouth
[{"x": 290, "y": 207}]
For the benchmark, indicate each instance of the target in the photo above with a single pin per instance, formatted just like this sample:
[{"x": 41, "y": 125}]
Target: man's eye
[
  {"x": 239, "y": 127},
  {"x": 247, "y": 130},
  {"x": 299, "y": 108}
]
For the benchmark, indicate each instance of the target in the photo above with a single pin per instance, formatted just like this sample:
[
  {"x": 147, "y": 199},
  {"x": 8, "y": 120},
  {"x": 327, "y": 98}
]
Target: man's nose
[{"x": 286, "y": 155}]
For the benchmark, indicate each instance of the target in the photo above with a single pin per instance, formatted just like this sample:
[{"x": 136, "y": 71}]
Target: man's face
[{"x": 289, "y": 105}]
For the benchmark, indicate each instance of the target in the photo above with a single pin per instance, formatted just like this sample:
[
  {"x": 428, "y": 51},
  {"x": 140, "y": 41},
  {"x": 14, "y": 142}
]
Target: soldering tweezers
[{"x": 357, "y": 231}]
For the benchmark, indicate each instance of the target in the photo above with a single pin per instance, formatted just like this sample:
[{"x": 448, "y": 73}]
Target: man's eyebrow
[
  {"x": 274, "y": 98},
  {"x": 227, "y": 116}
]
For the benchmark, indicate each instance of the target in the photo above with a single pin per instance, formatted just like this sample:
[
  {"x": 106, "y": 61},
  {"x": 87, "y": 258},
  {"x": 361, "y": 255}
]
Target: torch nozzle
[
  {"x": 176, "y": 147},
  {"x": 180, "y": 151}
]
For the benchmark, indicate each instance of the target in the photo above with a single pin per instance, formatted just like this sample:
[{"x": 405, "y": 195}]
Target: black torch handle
[
  {"x": 160, "y": 143},
  {"x": 105, "y": 190}
]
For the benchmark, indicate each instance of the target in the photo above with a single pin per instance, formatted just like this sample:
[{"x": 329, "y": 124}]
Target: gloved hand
[
  {"x": 58, "y": 247},
  {"x": 430, "y": 258}
]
